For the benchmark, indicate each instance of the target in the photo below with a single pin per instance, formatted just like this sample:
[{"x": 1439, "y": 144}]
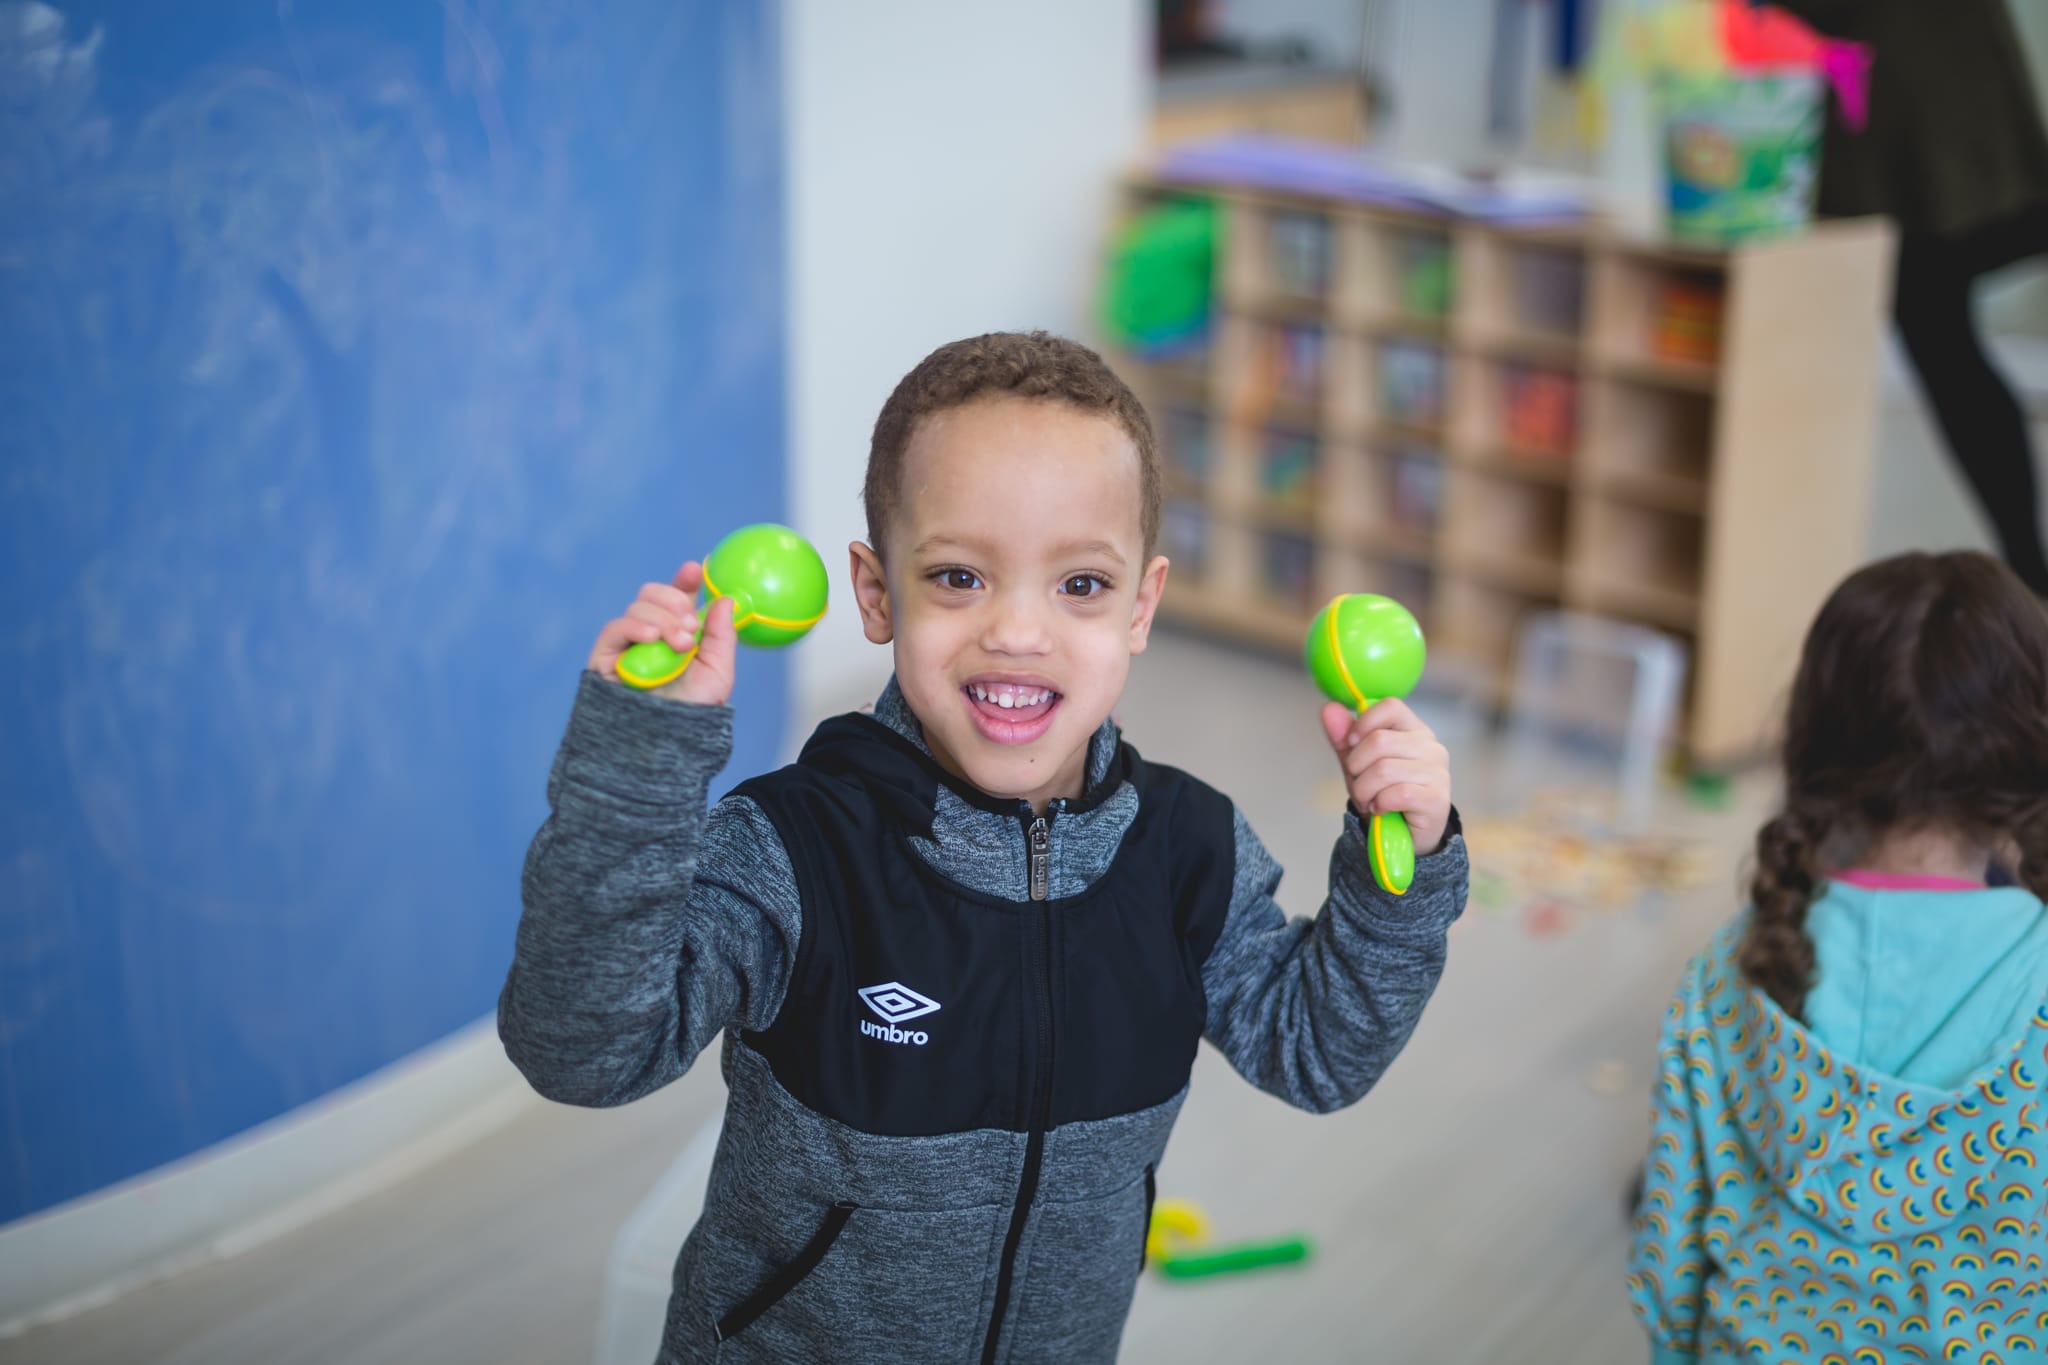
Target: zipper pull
[{"x": 1041, "y": 859}]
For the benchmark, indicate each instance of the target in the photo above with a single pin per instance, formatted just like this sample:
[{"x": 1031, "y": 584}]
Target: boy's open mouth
[{"x": 1010, "y": 712}]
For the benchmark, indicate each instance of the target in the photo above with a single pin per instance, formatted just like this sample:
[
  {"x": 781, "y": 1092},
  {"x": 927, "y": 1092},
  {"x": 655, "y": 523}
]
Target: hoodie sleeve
[
  {"x": 1667, "y": 1258},
  {"x": 648, "y": 923},
  {"x": 1314, "y": 1010}
]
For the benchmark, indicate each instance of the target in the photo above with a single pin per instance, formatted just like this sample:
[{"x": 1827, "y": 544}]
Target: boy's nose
[{"x": 1016, "y": 625}]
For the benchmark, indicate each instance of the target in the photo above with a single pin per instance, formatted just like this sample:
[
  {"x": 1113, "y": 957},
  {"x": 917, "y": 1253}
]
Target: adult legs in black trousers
[{"x": 1980, "y": 419}]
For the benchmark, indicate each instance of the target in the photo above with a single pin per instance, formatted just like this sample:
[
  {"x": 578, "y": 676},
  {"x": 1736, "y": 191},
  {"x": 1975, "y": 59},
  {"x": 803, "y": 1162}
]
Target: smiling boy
[{"x": 964, "y": 949}]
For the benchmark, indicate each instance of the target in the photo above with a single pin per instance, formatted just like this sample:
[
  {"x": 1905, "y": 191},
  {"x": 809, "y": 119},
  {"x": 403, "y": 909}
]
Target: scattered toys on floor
[{"x": 1178, "y": 1246}]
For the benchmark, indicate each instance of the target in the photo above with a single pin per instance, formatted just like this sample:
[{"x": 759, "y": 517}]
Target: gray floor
[{"x": 1467, "y": 1211}]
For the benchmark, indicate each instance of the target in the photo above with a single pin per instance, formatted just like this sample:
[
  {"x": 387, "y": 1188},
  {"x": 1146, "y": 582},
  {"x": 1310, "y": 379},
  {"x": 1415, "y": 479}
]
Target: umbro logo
[{"x": 894, "y": 1003}]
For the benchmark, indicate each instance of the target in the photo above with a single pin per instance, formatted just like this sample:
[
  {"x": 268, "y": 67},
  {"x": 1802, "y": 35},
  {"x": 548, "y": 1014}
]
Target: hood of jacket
[{"x": 1917, "y": 1088}]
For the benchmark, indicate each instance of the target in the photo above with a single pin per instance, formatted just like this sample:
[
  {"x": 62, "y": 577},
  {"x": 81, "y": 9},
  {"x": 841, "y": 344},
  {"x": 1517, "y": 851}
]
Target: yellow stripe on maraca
[
  {"x": 753, "y": 616},
  {"x": 1333, "y": 611},
  {"x": 1375, "y": 840}
]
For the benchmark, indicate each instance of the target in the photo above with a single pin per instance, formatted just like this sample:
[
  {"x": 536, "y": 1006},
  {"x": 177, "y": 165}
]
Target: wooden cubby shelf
[{"x": 1484, "y": 421}]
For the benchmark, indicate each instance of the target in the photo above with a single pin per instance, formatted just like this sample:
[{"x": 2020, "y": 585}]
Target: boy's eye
[
  {"x": 1084, "y": 585},
  {"x": 962, "y": 580}
]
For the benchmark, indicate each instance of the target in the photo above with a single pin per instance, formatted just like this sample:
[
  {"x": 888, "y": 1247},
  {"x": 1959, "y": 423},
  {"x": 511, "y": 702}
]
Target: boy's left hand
[{"x": 1393, "y": 762}]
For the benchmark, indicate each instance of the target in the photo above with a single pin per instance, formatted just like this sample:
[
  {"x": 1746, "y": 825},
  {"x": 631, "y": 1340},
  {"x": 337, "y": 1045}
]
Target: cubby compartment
[
  {"x": 1411, "y": 584},
  {"x": 1520, "y": 415},
  {"x": 1508, "y": 529},
  {"x": 1187, "y": 445},
  {"x": 1287, "y": 575},
  {"x": 1525, "y": 293},
  {"x": 1413, "y": 383},
  {"x": 1640, "y": 563},
  {"x": 1539, "y": 411},
  {"x": 1659, "y": 317},
  {"x": 1650, "y": 443},
  {"x": 1278, "y": 260},
  {"x": 1287, "y": 472},
  {"x": 1298, "y": 252},
  {"x": 1184, "y": 532},
  {"x": 1688, "y": 313},
  {"x": 1396, "y": 274},
  {"x": 1414, "y": 482},
  {"x": 1272, "y": 369},
  {"x": 1423, "y": 273},
  {"x": 1386, "y": 498},
  {"x": 1289, "y": 362}
]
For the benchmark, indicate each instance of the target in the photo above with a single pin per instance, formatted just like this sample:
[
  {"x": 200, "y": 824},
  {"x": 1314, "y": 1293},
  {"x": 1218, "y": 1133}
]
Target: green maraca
[
  {"x": 1362, "y": 648},
  {"x": 778, "y": 589}
]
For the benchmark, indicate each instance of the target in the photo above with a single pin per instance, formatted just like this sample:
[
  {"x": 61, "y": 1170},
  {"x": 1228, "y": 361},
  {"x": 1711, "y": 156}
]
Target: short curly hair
[{"x": 1035, "y": 365}]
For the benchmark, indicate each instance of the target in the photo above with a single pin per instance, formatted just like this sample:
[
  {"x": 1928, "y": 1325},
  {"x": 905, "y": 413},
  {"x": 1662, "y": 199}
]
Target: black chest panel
[{"x": 918, "y": 1006}]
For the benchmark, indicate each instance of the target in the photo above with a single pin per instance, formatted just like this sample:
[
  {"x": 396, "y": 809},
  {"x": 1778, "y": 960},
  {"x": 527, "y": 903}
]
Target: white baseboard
[{"x": 258, "y": 1185}]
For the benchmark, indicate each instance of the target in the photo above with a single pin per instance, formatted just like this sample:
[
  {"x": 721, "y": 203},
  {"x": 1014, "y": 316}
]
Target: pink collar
[{"x": 1900, "y": 881}]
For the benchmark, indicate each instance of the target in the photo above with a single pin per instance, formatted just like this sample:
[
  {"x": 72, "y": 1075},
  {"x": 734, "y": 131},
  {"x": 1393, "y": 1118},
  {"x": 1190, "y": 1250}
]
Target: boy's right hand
[{"x": 668, "y": 611}]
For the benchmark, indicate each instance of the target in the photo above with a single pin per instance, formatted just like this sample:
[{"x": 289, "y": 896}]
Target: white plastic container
[{"x": 1592, "y": 707}]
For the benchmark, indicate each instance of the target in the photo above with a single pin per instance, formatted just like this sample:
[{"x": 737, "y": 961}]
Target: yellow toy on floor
[{"x": 1178, "y": 1245}]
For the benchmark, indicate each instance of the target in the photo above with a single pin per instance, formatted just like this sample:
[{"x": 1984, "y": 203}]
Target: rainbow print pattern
[{"x": 1799, "y": 1208}]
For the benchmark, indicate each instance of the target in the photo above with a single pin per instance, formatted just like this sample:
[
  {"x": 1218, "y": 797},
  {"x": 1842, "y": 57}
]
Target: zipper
[{"x": 1038, "y": 957}]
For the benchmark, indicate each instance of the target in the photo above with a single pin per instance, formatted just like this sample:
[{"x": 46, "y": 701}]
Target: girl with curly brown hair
[{"x": 1850, "y": 1133}]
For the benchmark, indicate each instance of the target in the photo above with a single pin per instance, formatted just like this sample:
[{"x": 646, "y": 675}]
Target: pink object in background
[{"x": 1848, "y": 70}]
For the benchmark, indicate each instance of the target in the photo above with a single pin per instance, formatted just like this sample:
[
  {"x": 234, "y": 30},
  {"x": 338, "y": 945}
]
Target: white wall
[
  {"x": 1432, "y": 54},
  {"x": 949, "y": 173},
  {"x": 1332, "y": 27}
]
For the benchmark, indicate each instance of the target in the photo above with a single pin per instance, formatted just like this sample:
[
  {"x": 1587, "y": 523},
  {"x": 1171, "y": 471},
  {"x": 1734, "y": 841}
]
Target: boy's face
[{"x": 1016, "y": 589}]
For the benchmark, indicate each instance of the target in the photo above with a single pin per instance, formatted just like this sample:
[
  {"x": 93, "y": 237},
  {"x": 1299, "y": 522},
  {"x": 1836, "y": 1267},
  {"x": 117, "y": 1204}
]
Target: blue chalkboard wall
[{"x": 358, "y": 358}]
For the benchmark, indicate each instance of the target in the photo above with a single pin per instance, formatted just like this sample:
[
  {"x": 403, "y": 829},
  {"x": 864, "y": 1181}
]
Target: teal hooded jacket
[{"x": 1871, "y": 1185}]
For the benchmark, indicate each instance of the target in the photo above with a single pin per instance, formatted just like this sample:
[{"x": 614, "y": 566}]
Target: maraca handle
[
  {"x": 1392, "y": 848},
  {"x": 651, "y": 663}
]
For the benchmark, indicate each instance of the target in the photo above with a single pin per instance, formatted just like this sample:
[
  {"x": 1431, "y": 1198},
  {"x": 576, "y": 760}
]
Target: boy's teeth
[{"x": 1009, "y": 698}]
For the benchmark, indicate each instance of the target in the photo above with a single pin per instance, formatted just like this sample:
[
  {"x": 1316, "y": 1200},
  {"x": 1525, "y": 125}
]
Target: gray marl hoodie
[{"x": 651, "y": 925}]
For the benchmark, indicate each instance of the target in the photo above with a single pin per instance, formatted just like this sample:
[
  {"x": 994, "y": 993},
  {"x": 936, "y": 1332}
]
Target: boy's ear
[
  {"x": 871, "y": 593},
  {"x": 1149, "y": 590}
]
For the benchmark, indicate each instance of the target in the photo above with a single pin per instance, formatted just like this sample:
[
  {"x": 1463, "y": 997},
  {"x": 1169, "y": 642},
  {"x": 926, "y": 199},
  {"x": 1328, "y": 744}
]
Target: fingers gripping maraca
[
  {"x": 778, "y": 589},
  {"x": 1363, "y": 648}
]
